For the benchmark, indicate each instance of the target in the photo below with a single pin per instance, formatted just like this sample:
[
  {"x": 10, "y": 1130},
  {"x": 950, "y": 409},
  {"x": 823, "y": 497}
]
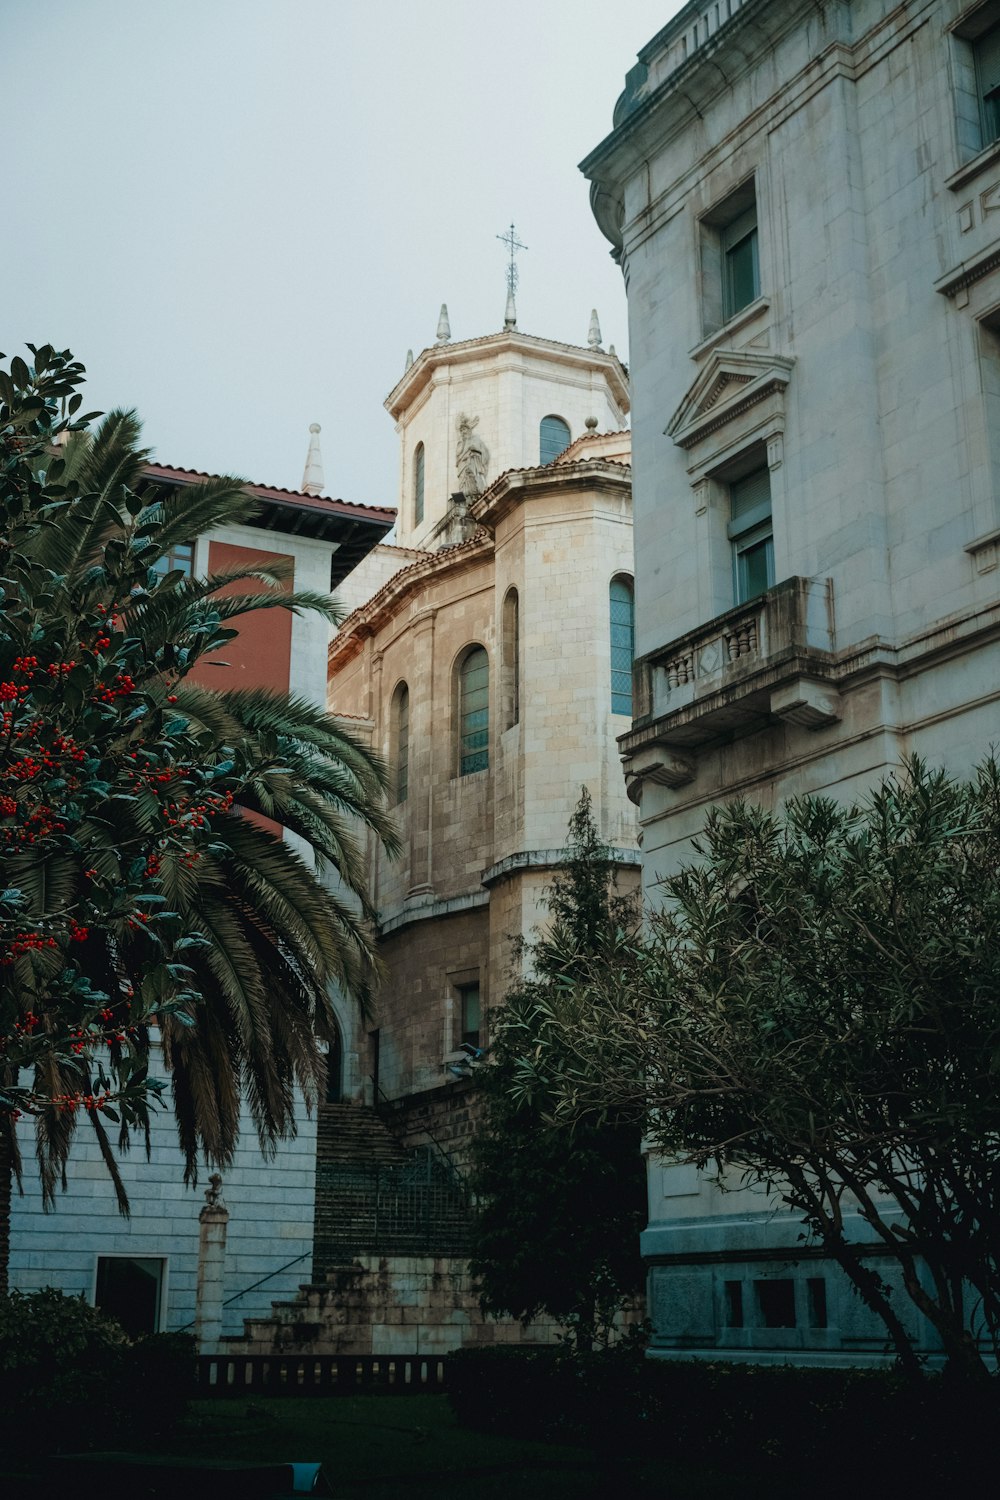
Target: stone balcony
[{"x": 772, "y": 659}]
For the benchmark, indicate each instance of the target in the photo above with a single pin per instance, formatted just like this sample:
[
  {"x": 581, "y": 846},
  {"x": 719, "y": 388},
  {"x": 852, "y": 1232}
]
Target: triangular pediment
[{"x": 731, "y": 380}]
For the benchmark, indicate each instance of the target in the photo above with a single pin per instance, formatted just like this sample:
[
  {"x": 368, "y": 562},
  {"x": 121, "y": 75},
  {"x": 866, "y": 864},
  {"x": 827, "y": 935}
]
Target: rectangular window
[
  {"x": 751, "y": 533},
  {"x": 468, "y": 995},
  {"x": 130, "y": 1289},
  {"x": 734, "y": 1304},
  {"x": 730, "y": 258},
  {"x": 776, "y": 1302},
  {"x": 986, "y": 50},
  {"x": 176, "y": 559},
  {"x": 740, "y": 268},
  {"x": 816, "y": 1289}
]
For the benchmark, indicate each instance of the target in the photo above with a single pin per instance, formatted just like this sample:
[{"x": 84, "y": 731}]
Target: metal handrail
[{"x": 247, "y": 1289}]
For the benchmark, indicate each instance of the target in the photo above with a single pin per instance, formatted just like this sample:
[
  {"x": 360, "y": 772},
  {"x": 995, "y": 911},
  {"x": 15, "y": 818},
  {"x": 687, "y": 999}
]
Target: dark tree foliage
[
  {"x": 816, "y": 1009},
  {"x": 138, "y": 902},
  {"x": 560, "y": 1205}
]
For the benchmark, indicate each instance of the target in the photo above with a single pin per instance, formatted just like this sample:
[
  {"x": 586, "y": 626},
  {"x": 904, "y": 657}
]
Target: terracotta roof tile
[{"x": 274, "y": 492}]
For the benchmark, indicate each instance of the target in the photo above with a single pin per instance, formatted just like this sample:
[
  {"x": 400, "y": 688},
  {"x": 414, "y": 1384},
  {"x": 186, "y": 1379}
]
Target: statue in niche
[{"x": 472, "y": 458}]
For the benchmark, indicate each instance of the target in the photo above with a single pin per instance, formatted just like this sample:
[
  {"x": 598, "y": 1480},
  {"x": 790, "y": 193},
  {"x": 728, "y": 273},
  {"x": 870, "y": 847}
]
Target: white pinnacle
[
  {"x": 510, "y": 316},
  {"x": 409, "y": 360},
  {"x": 444, "y": 327},
  {"x": 312, "y": 479},
  {"x": 594, "y": 331}
]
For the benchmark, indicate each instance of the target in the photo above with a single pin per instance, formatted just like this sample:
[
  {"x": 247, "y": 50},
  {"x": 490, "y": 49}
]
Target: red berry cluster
[
  {"x": 26, "y": 942},
  {"x": 123, "y": 685},
  {"x": 70, "y": 1103}
]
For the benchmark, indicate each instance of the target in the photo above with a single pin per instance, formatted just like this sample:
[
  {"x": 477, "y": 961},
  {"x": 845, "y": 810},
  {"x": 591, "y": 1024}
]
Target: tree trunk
[{"x": 6, "y": 1182}]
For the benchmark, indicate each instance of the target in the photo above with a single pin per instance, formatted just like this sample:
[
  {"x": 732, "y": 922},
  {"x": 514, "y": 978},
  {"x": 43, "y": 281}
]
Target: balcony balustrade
[{"x": 771, "y": 659}]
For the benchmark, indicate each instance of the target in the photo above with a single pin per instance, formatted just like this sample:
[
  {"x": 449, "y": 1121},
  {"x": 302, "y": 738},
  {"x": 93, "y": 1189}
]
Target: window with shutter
[
  {"x": 474, "y": 713},
  {"x": 751, "y": 533},
  {"x": 553, "y": 437},
  {"x": 987, "y": 54},
  {"x": 622, "y": 644}
]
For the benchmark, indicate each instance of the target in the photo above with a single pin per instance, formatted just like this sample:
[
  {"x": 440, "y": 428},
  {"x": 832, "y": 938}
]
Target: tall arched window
[
  {"x": 335, "y": 1069},
  {"x": 553, "y": 437},
  {"x": 401, "y": 736},
  {"x": 418, "y": 485},
  {"x": 474, "y": 712},
  {"x": 622, "y": 645},
  {"x": 511, "y": 659}
]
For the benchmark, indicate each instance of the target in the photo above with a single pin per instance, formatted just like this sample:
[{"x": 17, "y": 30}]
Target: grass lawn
[{"x": 386, "y": 1446}]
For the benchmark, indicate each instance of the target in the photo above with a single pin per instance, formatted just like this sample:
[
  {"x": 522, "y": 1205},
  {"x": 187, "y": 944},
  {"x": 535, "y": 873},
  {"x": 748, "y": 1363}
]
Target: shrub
[
  {"x": 70, "y": 1378},
  {"x": 765, "y": 1419}
]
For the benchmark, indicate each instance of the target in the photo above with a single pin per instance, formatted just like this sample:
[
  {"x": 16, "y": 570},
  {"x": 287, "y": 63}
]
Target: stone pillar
[{"x": 214, "y": 1222}]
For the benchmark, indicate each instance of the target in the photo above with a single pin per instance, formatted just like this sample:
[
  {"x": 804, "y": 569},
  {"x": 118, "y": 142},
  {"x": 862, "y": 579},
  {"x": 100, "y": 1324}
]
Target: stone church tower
[{"x": 488, "y": 657}]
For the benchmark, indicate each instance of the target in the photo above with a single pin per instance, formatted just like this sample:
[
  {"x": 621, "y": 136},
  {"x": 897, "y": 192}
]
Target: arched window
[
  {"x": 474, "y": 712},
  {"x": 622, "y": 644},
  {"x": 553, "y": 437},
  {"x": 418, "y": 485},
  {"x": 401, "y": 737},
  {"x": 335, "y": 1069},
  {"x": 511, "y": 659}
]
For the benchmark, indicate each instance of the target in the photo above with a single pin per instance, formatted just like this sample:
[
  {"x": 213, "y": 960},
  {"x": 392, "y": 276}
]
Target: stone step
[{"x": 354, "y": 1133}]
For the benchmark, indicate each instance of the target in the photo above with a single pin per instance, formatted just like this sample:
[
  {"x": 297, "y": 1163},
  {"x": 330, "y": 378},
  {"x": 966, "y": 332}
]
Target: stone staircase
[
  {"x": 375, "y": 1197},
  {"x": 390, "y": 1244},
  {"x": 353, "y": 1133}
]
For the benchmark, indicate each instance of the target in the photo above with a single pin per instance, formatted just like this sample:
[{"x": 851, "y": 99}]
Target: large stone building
[{"x": 805, "y": 200}]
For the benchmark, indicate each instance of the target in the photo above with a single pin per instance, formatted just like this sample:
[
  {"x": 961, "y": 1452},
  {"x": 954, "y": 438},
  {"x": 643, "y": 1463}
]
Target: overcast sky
[{"x": 241, "y": 213}]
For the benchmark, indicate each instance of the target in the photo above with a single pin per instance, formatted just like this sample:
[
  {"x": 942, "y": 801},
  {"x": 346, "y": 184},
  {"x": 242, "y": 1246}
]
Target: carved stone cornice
[{"x": 732, "y": 381}]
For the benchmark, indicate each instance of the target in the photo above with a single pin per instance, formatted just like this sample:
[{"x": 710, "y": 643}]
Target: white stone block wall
[{"x": 270, "y": 1206}]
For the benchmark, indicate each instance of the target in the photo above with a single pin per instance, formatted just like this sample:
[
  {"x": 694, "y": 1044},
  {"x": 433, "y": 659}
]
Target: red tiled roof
[
  {"x": 320, "y": 503},
  {"x": 400, "y": 581}
]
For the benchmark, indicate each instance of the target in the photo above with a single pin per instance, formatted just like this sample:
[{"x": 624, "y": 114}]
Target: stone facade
[
  {"x": 803, "y": 200},
  {"x": 520, "y": 572},
  {"x": 529, "y": 586},
  {"x": 420, "y": 1304}
]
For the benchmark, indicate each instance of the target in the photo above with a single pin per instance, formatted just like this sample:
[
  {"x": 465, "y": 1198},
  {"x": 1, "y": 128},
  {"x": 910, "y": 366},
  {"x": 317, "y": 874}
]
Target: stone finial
[
  {"x": 594, "y": 331},
  {"x": 444, "y": 327},
  {"x": 409, "y": 360},
  {"x": 510, "y": 315},
  {"x": 612, "y": 350},
  {"x": 591, "y": 424},
  {"x": 312, "y": 479}
]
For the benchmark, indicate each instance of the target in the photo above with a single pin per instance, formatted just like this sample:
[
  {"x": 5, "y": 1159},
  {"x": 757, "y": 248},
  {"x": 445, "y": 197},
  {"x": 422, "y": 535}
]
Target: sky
[{"x": 240, "y": 214}]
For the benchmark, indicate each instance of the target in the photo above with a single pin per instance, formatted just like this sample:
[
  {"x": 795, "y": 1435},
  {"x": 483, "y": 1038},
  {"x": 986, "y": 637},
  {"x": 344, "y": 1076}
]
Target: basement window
[
  {"x": 734, "y": 1304},
  {"x": 776, "y": 1302}
]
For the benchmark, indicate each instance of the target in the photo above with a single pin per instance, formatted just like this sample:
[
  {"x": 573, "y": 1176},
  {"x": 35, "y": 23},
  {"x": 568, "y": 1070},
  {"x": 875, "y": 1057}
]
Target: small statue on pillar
[{"x": 213, "y": 1193}]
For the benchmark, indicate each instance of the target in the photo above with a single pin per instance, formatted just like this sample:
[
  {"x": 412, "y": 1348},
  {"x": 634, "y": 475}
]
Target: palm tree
[{"x": 258, "y": 932}]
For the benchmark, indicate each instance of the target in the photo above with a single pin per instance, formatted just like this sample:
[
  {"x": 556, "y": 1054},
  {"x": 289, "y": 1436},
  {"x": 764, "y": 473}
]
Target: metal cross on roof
[{"x": 513, "y": 244}]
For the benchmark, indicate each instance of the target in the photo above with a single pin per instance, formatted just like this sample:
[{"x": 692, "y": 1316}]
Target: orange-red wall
[{"x": 261, "y": 655}]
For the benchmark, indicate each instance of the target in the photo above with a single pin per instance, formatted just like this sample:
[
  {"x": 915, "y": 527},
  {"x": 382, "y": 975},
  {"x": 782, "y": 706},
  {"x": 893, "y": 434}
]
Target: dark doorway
[{"x": 129, "y": 1289}]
